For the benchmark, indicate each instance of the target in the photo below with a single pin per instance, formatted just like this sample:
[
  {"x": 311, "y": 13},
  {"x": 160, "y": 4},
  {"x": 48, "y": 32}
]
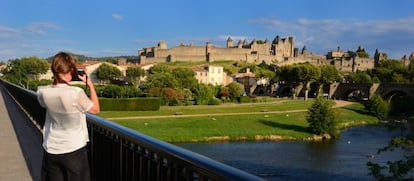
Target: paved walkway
[{"x": 20, "y": 143}]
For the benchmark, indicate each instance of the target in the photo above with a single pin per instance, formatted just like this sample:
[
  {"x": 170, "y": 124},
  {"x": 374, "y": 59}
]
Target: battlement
[{"x": 279, "y": 49}]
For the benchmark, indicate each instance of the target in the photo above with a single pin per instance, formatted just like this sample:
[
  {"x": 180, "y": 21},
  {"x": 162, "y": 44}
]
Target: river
[{"x": 342, "y": 159}]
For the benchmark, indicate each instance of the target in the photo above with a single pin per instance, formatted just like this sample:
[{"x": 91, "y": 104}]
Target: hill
[{"x": 83, "y": 58}]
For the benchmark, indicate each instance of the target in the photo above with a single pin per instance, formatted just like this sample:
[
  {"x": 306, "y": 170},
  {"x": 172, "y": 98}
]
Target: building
[
  {"x": 349, "y": 61},
  {"x": 248, "y": 80},
  {"x": 210, "y": 74}
]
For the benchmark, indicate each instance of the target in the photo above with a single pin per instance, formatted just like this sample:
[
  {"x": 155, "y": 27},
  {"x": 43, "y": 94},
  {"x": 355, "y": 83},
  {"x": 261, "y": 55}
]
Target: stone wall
[{"x": 279, "y": 49}]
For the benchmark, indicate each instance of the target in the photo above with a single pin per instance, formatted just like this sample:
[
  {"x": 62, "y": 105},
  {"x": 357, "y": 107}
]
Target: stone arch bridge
[
  {"x": 342, "y": 91},
  {"x": 385, "y": 90}
]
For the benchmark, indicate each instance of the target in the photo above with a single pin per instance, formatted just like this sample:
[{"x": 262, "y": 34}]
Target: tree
[
  {"x": 378, "y": 106},
  {"x": 411, "y": 71},
  {"x": 363, "y": 54},
  {"x": 391, "y": 71},
  {"x": 236, "y": 90},
  {"x": 185, "y": 77},
  {"x": 359, "y": 77},
  {"x": 135, "y": 73},
  {"x": 107, "y": 72},
  {"x": 202, "y": 94},
  {"x": 329, "y": 74},
  {"x": 34, "y": 65},
  {"x": 159, "y": 68},
  {"x": 287, "y": 75},
  {"x": 188, "y": 96},
  {"x": 321, "y": 117},
  {"x": 306, "y": 73},
  {"x": 169, "y": 96},
  {"x": 263, "y": 75},
  {"x": 19, "y": 70},
  {"x": 14, "y": 73},
  {"x": 161, "y": 76},
  {"x": 161, "y": 80},
  {"x": 223, "y": 92}
]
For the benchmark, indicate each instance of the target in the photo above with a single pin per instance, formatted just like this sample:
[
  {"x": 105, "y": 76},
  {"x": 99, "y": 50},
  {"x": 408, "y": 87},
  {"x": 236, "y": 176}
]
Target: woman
[{"x": 65, "y": 134}]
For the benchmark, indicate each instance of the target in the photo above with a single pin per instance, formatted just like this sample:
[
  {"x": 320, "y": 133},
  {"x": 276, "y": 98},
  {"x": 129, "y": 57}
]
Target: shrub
[
  {"x": 378, "y": 107},
  {"x": 215, "y": 101},
  {"x": 169, "y": 96},
  {"x": 130, "y": 104},
  {"x": 321, "y": 117},
  {"x": 244, "y": 99},
  {"x": 202, "y": 94}
]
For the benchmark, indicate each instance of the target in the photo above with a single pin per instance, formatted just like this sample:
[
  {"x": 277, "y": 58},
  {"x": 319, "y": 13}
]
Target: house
[
  {"x": 211, "y": 74},
  {"x": 247, "y": 79}
]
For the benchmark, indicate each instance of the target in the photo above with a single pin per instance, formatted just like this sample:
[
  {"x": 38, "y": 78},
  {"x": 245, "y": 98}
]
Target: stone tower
[
  {"x": 162, "y": 45},
  {"x": 378, "y": 57},
  {"x": 229, "y": 43},
  {"x": 304, "y": 50}
]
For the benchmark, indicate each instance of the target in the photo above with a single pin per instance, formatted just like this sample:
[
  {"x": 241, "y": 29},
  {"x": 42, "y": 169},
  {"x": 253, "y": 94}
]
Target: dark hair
[{"x": 62, "y": 63}]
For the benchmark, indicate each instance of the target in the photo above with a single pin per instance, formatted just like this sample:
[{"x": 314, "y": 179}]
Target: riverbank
[{"x": 279, "y": 120}]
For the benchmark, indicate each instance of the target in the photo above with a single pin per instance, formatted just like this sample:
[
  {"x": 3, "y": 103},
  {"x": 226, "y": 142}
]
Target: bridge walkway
[{"x": 20, "y": 143}]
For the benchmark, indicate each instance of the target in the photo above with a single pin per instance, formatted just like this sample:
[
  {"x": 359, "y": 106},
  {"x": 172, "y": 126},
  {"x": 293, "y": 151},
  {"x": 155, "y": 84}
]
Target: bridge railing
[{"x": 120, "y": 153}]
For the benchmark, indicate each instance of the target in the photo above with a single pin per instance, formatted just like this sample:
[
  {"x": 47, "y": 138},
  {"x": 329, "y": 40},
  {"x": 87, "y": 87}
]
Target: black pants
[{"x": 66, "y": 167}]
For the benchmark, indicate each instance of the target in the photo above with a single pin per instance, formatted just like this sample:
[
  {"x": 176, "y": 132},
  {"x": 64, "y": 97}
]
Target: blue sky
[{"x": 99, "y": 28}]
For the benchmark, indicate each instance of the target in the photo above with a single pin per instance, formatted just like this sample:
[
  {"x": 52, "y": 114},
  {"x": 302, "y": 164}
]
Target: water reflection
[{"x": 342, "y": 159}]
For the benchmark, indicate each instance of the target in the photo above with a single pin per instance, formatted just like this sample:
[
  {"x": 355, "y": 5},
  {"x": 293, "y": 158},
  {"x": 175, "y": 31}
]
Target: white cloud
[
  {"x": 9, "y": 33},
  {"x": 17, "y": 42},
  {"x": 323, "y": 35},
  {"x": 117, "y": 17},
  {"x": 269, "y": 23},
  {"x": 40, "y": 27}
]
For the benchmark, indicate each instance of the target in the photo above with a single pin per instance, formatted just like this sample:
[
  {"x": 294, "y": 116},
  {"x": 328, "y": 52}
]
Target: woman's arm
[{"x": 95, "y": 109}]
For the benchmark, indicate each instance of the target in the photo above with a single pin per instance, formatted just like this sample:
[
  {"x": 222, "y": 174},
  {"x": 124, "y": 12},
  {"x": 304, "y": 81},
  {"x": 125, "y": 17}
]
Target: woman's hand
[{"x": 84, "y": 78}]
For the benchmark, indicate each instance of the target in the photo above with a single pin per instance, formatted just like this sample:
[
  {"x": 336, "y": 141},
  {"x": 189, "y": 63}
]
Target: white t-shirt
[{"x": 65, "y": 128}]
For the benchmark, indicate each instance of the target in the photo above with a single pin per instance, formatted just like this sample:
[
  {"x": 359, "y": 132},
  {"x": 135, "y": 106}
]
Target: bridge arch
[
  {"x": 344, "y": 91},
  {"x": 401, "y": 101},
  {"x": 284, "y": 90},
  {"x": 391, "y": 94},
  {"x": 396, "y": 92}
]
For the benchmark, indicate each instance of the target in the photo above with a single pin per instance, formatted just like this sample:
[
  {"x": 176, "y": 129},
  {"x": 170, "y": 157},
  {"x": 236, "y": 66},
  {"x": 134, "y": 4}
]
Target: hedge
[{"x": 130, "y": 104}]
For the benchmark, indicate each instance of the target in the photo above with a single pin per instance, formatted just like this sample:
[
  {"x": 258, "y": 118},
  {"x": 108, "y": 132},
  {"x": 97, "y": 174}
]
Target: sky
[{"x": 102, "y": 28}]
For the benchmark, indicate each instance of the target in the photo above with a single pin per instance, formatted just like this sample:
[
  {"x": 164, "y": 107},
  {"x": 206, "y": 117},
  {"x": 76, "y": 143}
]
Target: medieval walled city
[{"x": 280, "y": 51}]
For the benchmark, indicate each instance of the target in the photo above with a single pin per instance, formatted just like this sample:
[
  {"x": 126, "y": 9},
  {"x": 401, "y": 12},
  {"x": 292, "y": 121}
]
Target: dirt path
[
  {"x": 338, "y": 103},
  {"x": 342, "y": 103}
]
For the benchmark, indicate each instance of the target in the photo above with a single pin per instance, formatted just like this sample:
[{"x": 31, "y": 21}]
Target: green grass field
[{"x": 279, "y": 120}]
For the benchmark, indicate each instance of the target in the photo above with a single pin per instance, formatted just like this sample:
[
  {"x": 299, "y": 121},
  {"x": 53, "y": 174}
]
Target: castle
[{"x": 280, "y": 51}]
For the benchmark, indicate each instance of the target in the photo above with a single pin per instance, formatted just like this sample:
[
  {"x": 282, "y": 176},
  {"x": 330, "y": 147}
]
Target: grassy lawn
[
  {"x": 280, "y": 105},
  {"x": 234, "y": 122}
]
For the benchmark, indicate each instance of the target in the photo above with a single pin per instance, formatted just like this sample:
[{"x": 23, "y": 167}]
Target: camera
[{"x": 76, "y": 73}]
